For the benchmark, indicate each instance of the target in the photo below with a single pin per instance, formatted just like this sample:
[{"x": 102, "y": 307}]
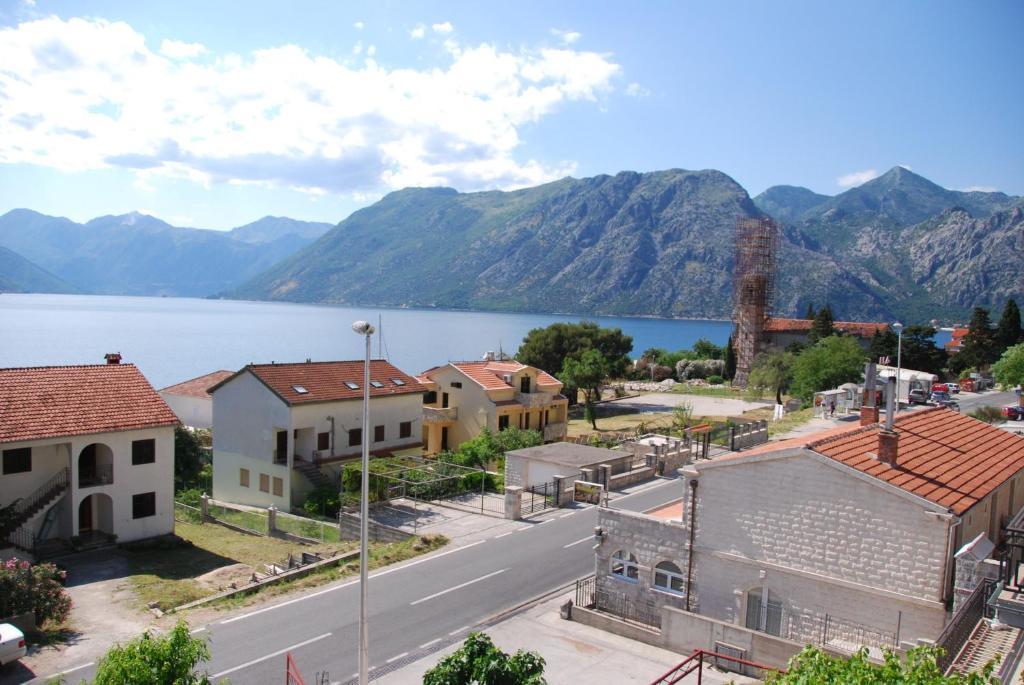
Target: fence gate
[{"x": 539, "y": 497}]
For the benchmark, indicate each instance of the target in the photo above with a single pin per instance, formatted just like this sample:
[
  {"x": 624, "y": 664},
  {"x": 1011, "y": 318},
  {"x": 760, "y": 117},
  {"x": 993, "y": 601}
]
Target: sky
[{"x": 215, "y": 114}]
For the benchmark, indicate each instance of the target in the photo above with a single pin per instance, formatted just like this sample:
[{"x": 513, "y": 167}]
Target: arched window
[
  {"x": 668, "y": 577},
  {"x": 624, "y": 566},
  {"x": 764, "y": 611}
]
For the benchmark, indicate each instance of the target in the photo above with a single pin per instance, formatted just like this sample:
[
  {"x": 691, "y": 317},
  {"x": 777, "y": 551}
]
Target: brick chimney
[
  {"x": 888, "y": 446},
  {"x": 868, "y": 415},
  {"x": 869, "y": 408},
  {"x": 113, "y": 357}
]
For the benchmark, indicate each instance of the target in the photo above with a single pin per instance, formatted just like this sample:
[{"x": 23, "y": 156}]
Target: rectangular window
[
  {"x": 430, "y": 397},
  {"x": 456, "y": 384},
  {"x": 143, "y": 505},
  {"x": 17, "y": 460},
  {"x": 355, "y": 437},
  {"x": 278, "y": 487},
  {"x": 264, "y": 483},
  {"x": 243, "y": 477},
  {"x": 323, "y": 441},
  {"x": 405, "y": 429},
  {"x": 503, "y": 422},
  {"x": 378, "y": 433},
  {"x": 143, "y": 451}
]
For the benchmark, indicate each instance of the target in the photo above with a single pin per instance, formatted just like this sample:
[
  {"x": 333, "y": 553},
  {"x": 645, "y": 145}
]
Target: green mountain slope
[{"x": 19, "y": 275}]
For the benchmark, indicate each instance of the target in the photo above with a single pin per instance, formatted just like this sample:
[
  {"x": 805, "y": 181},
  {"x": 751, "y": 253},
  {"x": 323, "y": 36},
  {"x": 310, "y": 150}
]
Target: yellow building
[{"x": 463, "y": 398}]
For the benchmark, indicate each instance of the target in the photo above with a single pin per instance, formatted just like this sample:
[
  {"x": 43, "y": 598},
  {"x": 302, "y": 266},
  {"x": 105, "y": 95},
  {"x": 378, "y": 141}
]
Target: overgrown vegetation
[
  {"x": 1009, "y": 370},
  {"x": 192, "y": 468},
  {"x": 37, "y": 588},
  {"x": 480, "y": 662},
  {"x": 170, "y": 659},
  {"x": 918, "y": 667}
]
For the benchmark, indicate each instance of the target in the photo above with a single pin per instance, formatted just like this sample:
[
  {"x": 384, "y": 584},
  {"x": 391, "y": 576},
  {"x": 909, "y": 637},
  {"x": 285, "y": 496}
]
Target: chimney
[
  {"x": 869, "y": 408},
  {"x": 113, "y": 357},
  {"x": 889, "y": 439}
]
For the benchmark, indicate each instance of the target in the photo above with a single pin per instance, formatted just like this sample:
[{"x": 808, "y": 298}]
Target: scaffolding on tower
[{"x": 757, "y": 241}]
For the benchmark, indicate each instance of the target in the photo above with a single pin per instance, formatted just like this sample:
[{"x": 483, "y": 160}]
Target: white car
[
  {"x": 953, "y": 388},
  {"x": 12, "y": 644}
]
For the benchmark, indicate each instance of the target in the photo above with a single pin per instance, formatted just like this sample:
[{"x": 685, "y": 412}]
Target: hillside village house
[
  {"x": 841, "y": 538},
  {"x": 86, "y": 451},
  {"x": 191, "y": 400},
  {"x": 280, "y": 430},
  {"x": 463, "y": 398},
  {"x": 780, "y": 333}
]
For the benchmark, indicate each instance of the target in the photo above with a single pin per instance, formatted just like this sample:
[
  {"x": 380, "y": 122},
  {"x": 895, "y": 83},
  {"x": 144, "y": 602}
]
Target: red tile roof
[
  {"x": 943, "y": 456},
  {"x": 956, "y": 342},
  {"x": 864, "y": 329},
  {"x": 326, "y": 381},
  {"x": 57, "y": 401},
  {"x": 489, "y": 374},
  {"x": 197, "y": 387}
]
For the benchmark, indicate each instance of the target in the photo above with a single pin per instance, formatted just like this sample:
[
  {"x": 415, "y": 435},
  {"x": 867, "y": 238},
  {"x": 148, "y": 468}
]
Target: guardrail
[{"x": 695, "y": 662}]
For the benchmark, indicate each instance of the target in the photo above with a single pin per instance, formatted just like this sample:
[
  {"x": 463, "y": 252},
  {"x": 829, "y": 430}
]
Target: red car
[
  {"x": 940, "y": 387},
  {"x": 1012, "y": 411}
]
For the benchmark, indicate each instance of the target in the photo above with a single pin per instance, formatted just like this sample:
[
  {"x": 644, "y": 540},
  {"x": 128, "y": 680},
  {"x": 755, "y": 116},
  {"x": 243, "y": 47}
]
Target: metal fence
[
  {"x": 305, "y": 527},
  {"x": 538, "y": 498},
  {"x": 183, "y": 513},
  {"x": 644, "y": 613},
  {"x": 254, "y": 521},
  {"x": 585, "y": 589},
  {"x": 959, "y": 629}
]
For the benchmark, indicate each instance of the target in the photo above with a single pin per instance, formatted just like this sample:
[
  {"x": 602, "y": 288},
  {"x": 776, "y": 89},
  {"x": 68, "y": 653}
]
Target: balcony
[
  {"x": 534, "y": 400},
  {"x": 432, "y": 415},
  {"x": 100, "y": 474},
  {"x": 553, "y": 432}
]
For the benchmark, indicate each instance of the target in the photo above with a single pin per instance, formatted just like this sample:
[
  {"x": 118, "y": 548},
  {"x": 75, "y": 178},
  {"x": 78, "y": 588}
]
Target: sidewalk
[{"x": 574, "y": 653}]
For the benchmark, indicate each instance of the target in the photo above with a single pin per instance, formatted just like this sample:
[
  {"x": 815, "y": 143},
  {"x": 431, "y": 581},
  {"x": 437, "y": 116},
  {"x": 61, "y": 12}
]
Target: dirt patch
[{"x": 220, "y": 579}]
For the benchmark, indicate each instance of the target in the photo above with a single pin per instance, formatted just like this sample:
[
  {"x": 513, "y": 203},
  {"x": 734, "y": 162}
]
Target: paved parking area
[{"x": 702, "y": 405}]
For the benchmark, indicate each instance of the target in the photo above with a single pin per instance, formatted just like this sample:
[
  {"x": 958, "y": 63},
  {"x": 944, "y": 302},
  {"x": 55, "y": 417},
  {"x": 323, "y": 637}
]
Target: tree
[
  {"x": 772, "y": 371},
  {"x": 822, "y": 327},
  {"x": 585, "y": 371},
  {"x": 189, "y": 458},
  {"x": 883, "y": 344},
  {"x": 156, "y": 660},
  {"x": 979, "y": 348},
  {"x": 682, "y": 415},
  {"x": 918, "y": 667},
  {"x": 810, "y": 311},
  {"x": 827, "y": 364},
  {"x": 705, "y": 349},
  {"x": 1009, "y": 370},
  {"x": 480, "y": 662},
  {"x": 919, "y": 351},
  {"x": 730, "y": 360},
  {"x": 1008, "y": 331},
  {"x": 548, "y": 348},
  {"x": 37, "y": 588}
]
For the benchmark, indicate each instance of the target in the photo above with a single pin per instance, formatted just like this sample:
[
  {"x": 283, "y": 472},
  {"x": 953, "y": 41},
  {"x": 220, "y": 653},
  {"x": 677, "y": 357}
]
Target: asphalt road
[
  {"x": 416, "y": 607},
  {"x": 969, "y": 401}
]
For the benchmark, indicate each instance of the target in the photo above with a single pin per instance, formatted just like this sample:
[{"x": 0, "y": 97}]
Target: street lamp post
[
  {"x": 364, "y": 329},
  {"x": 899, "y": 362}
]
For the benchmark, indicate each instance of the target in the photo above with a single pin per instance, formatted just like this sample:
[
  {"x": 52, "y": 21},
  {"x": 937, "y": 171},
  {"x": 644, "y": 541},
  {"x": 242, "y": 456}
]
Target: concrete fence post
[
  {"x": 604, "y": 475},
  {"x": 271, "y": 519},
  {"x": 204, "y": 508},
  {"x": 559, "y": 484},
  {"x": 513, "y": 502}
]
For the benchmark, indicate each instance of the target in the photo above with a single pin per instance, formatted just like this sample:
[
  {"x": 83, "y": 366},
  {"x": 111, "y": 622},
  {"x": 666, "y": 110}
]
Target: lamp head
[
  {"x": 898, "y": 327},
  {"x": 362, "y": 328}
]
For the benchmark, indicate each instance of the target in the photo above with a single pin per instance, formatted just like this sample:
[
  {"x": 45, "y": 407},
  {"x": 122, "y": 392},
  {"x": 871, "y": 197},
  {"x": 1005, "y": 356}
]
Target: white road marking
[
  {"x": 396, "y": 658},
  {"x": 279, "y": 652},
  {"x": 432, "y": 642},
  {"x": 458, "y": 630},
  {"x": 457, "y": 587},
  {"x": 565, "y": 515},
  {"x": 578, "y": 542},
  {"x": 498, "y": 537},
  {"x": 196, "y": 630},
  {"x": 351, "y": 582},
  {"x": 76, "y": 668}
]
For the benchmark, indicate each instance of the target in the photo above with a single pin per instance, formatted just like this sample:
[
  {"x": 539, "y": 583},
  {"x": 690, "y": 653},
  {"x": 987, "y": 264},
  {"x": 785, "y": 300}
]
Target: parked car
[
  {"x": 940, "y": 396},
  {"x": 953, "y": 388},
  {"x": 12, "y": 643},
  {"x": 949, "y": 404},
  {"x": 917, "y": 396},
  {"x": 1012, "y": 411},
  {"x": 940, "y": 387}
]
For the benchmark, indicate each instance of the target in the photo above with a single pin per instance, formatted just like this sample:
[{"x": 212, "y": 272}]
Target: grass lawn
[
  {"x": 730, "y": 392},
  {"x": 790, "y": 421}
]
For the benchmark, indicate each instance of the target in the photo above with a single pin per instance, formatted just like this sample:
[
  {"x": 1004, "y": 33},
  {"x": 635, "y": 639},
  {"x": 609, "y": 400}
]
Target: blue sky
[{"x": 208, "y": 115}]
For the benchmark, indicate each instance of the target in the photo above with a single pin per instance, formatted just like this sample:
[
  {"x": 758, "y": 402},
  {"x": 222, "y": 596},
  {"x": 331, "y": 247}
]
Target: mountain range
[
  {"x": 657, "y": 244},
  {"x": 137, "y": 254}
]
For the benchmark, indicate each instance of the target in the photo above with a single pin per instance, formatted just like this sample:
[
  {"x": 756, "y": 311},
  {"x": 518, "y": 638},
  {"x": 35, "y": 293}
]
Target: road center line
[
  {"x": 457, "y": 587},
  {"x": 458, "y": 630},
  {"x": 565, "y": 515},
  {"x": 578, "y": 542},
  {"x": 498, "y": 537},
  {"x": 396, "y": 658},
  {"x": 270, "y": 656},
  {"x": 71, "y": 670},
  {"x": 432, "y": 642}
]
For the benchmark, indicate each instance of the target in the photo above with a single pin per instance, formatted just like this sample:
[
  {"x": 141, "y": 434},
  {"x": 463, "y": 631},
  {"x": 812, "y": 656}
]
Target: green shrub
[
  {"x": 715, "y": 380},
  {"x": 191, "y": 497},
  {"x": 988, "y": 414},
  {"x": 324, "y": 501},
  {"x": 38, "y": 588},
  {"x": 156, "y": 660}
]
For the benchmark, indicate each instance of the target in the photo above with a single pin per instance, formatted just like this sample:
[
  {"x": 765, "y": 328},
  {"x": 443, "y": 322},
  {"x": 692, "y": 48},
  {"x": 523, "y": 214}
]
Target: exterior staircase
[
  {"x": 984, "y": 644},
  {"x": 12, "y": 528},
  {"x": 312, "y": 473}
]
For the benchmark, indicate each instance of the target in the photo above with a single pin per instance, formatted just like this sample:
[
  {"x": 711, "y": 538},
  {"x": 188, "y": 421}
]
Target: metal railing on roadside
[{"x": 728, "y": 662}]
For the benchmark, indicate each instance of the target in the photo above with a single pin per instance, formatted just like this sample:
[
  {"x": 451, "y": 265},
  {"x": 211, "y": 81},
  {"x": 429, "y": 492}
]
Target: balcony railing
[
  {"x": 533, "y": 400},
  {"x": 554, "y": 431},
  {"x": 101, "y": 474},
  {"x": 435, "y": 415}
]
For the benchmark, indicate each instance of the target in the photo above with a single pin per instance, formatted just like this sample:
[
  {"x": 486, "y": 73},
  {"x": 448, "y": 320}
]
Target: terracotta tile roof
[
  {"x": 197, "y": 387},
  {"x": 956, "y": 342},
  {"x": 489, "y": 374},
  {"x": 864, "y": 329},
  {"x": 327, "y": 381},
  {"x": 56, "y": 401}
]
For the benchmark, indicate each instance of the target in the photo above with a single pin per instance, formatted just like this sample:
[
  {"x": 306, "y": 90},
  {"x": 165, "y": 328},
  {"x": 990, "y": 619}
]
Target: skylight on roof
[
  {"x": 300, "y": 389},
  {"x": 352, "y": 385},
  {"x": 377, "y": 384},
  {"x": 398, "y": 381}
]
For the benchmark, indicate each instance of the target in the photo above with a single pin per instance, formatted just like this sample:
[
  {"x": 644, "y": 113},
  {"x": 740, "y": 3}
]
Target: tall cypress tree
[
  {"x": 979, "y": 348},
  {"x": 810, "y": 311},
  {"x": 730, "y": 360},
  {"x": 1008, "y": 331},
  {"x": 823, "y": 325}
]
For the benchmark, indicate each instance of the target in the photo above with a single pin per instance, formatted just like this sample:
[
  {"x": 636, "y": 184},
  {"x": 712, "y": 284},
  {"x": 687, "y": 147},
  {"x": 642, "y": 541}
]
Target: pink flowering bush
[{"x": 37, "y": 588}]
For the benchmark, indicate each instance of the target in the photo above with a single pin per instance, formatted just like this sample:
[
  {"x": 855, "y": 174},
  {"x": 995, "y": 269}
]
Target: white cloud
[
  {"x": 87, "y": 94},
  {"x": 418, "y": 32},
  {"x": 980, "y": 189},
  {"x": 567, "y": 37},
  {"x": 29, "y": 3},
  {"x": 176, "y": 49},
  {"x": 357, "y": 48},
  {"x": 856, "y": 178},
  {"x": 635, "y": 90},
  {"x": 371, "y": 50},
  {"x": 443, "y": 28},
  {"x": 359, "y": 26}
]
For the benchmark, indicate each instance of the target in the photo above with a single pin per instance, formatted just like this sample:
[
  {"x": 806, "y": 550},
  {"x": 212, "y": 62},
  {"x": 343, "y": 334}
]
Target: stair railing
[{"x": 57, "y": 481}]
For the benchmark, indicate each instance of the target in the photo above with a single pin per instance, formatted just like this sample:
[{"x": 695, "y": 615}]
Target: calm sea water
[{"x": 174, "y": 339}]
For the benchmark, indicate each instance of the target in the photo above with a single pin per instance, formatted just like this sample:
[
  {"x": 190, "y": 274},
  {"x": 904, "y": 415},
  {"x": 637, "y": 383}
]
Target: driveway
[{"x": 666, "y": 402}]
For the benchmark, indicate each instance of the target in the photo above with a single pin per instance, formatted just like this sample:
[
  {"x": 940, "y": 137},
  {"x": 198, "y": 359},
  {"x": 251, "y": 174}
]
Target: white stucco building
[
  {"x": 840, "y": 538},
  {"x": 191, "y": 401},
  {"x": 279, "y": 430},
  {"x": 86, "y": 451},
  {"x": 463, "y": 398}
]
